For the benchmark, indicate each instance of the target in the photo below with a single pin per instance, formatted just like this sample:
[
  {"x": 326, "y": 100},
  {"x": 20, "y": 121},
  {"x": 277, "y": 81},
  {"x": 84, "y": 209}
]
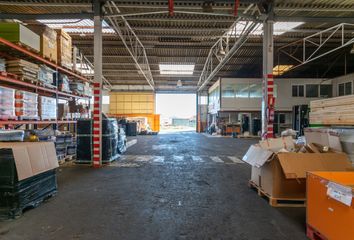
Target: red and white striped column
[
  {"x": 97, "y": 127},
  {"x": 271, "y": 104},
  {"x": 97, "y": 86}
]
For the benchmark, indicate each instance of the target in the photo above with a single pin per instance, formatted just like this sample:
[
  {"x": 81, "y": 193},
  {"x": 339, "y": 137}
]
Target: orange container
[{"x": 332, "y": 218}]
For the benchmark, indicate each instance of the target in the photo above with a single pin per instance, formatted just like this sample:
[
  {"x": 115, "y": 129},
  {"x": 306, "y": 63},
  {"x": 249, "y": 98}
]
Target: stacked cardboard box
[
  {"x": 64, "y": 49},
  {"x": 26, "y": 105},
  {"x": 25, "y": 70},
  {"x": 279, "y": 166},
  {"x": 48, "y": 41}
]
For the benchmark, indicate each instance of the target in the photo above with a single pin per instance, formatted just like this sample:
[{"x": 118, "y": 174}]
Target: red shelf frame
[
  {"x": 44, "y": 89},
  {"x": 19, "y": 122},
  {"x": 41, "y": 59}
]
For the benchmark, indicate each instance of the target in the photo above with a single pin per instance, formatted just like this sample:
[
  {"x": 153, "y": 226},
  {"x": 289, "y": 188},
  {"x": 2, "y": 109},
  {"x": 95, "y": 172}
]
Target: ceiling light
[
  {"x": 176, "y": 69},
  {"x": 281, "y": 69}
]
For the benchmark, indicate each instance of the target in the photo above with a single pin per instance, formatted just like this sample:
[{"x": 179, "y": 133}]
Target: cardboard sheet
[
  {"x": 257, "y": 156},
  {"x": 276, "y": 144},
  {"x": 32, "y": 158},
  {"x": 295, "y": 165}
]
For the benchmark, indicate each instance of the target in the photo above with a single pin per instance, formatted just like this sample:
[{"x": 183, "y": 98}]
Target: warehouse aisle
[{"x": 170, "y": 186}]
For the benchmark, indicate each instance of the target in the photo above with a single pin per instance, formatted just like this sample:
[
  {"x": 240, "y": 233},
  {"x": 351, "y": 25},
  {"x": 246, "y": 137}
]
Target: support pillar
[
  {"x": 97, "y": 86},
  {"x": 268, "y": 101}
]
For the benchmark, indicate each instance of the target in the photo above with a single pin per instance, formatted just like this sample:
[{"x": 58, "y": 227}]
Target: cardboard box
[
  {"x": 324, "y": 137},
  {"x": 330, "y": 204},
  {"x": 64, "y": 46},
  {"x": 48, "y": 41},
  {"x": 32, "y": 158},
  {"x": 17, "y": 33},
  {"x": 283, "y": 175}
]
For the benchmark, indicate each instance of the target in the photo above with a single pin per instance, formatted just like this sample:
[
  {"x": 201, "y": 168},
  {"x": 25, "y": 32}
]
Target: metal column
[
  {"x": 268, "y": 82},
  {"x": 97, "y": 87}
]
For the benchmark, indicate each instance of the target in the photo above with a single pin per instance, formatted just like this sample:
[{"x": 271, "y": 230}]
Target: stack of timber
[
  {"x": 26, "y": 71},
  {"x": 333, "y": 111}
]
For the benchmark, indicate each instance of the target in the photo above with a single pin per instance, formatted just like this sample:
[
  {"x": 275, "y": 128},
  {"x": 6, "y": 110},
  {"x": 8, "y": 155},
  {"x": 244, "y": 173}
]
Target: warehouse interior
[{"x": 176, "y": 119}]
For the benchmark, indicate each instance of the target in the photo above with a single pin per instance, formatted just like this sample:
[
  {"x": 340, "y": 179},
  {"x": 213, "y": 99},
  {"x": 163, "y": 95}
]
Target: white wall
[
  {"x": 214, "y": 107},
  {"x": 283, "y": 102}
]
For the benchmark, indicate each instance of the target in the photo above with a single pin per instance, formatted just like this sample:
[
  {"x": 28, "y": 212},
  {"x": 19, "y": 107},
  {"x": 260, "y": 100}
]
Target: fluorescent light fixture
[
  {"x": 81, "y": 26},
  {"x": 281, "y": 69},
  {"x": 176, "y": 69},
  {"x": 279, "y": 28}
]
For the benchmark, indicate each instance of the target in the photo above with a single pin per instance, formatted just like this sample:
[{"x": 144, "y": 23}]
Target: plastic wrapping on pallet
[
  {"x": 109, "y": 141},
  {"x": 47, "y": 108},
  {"x": 27, "y": 176},
  {"x": 12, "y": 135},
  {"x": 15, "y": 195},
  {"x": 26, "y": 104},
  {"x": 45, "y": 75},
  {"x": 7, "y": 103},
  {"x": 77, "y": 87},
  {"x": 2, "y": 65},
  {"x": 109, "y": 126},
  {"x": 62, "y": 82}
]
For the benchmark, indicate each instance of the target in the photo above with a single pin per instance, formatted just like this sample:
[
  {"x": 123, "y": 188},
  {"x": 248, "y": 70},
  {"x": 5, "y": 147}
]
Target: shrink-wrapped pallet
[
  {"x": 26, "y": 105},
  {"x": 7, "y": 103}
]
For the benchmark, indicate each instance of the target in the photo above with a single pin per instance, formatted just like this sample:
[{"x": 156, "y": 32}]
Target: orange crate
[{"x": 331, "y": 218}]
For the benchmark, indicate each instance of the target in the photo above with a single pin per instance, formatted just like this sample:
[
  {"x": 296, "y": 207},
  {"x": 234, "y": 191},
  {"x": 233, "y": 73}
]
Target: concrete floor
[{"x": 170, "y": 186}]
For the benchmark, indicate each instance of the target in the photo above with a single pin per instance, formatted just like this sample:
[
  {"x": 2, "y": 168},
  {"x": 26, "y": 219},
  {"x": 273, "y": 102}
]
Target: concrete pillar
[
  {"x": 97, "y": 86},
  {"x": 267, "y": 83}
]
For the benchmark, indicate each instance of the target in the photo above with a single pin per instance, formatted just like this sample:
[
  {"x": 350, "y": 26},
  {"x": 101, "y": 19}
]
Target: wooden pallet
[
  {"x": 313, "y": 234},
  {"x": 277, "y": 202}
]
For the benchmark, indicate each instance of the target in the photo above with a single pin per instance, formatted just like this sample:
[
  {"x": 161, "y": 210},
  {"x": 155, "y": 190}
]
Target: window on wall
[
  {"x": 242, "y": 90},
  {"x": 345, "y": 88},
  {"x": 298, "y": 90},
  {"x": 326, "y": 91},
  {"x": 255, "y": 90},
  {"x": 228, "y": 91},
  {"x": 312, "y": 90}
]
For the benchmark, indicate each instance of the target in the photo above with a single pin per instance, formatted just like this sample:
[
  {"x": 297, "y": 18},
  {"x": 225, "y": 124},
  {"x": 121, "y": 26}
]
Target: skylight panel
[
  {"x": 279, "y": 28},
  {"x": 76, "y": 25},
  {"x": 176, "y": 69}
]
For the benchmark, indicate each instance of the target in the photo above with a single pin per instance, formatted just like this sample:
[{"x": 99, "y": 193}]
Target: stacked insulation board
[
  {"x": 25, "y": 70},
  {"x": 333, "y": 111}
]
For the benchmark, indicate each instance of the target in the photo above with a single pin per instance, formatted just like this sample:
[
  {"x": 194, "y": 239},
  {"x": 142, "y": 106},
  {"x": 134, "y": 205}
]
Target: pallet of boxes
[{"x": 279, "y": 168}]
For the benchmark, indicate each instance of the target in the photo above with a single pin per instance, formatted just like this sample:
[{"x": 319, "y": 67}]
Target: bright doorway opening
[{"x": 177, "y": 112}]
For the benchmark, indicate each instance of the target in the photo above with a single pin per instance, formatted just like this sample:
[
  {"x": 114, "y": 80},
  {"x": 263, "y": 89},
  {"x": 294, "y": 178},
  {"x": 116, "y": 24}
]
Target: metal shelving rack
[{"x": 9, "y": 81}]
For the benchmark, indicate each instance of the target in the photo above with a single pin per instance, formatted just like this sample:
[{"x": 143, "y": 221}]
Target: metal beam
[
  {"x": 223, "y": 49},
  {"x": 30, "y": 16},
  {"x": 307, "y": 19},
  {"x": 317, "y": 45},
  {"x": 131, "y": 41}
]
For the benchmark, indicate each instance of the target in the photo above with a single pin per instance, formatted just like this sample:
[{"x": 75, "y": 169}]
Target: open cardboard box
[
  {"x": 32, "y": 158},
  {"x": 283, "y": 174}
]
